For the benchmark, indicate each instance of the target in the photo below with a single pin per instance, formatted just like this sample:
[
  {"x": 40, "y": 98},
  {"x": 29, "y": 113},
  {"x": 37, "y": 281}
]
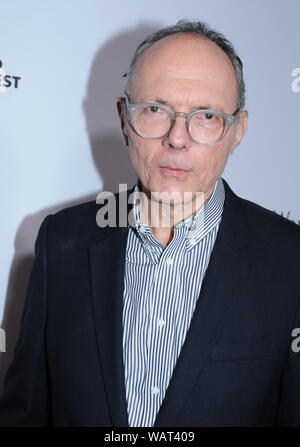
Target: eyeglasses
[{"x": 153, "y": 121}]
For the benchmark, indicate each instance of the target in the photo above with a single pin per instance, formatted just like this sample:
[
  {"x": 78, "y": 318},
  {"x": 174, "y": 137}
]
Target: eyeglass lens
[{"x": 154, "y": 122}]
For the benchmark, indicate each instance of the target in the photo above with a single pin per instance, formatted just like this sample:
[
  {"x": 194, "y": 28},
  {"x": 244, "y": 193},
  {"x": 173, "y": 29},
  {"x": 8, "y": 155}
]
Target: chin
[{"x": 169, "y": 194}]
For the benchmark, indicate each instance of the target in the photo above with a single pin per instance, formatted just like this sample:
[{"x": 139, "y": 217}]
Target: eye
[
  {"x": 153, "y": 109},
  {"x": 209, "y": 116}
]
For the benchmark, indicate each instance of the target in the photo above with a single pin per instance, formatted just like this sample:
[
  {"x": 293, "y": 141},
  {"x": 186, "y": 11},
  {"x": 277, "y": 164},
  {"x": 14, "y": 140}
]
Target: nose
[{"x": 178, "y": 137}]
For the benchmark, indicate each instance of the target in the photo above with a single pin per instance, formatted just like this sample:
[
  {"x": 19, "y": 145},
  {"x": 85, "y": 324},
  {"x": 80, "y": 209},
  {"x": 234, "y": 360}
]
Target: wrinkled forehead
[{"x": 187, "y": 61}]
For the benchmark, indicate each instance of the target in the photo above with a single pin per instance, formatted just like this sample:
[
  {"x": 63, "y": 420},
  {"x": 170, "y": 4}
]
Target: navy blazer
[{"x": 236, "y": 367}]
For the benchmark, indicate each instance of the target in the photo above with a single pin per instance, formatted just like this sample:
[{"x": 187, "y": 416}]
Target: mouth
[{"x": 168, "y": 170}]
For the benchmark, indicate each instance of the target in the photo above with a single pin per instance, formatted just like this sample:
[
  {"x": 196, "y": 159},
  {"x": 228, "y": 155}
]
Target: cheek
[
  {"x": 136, "y": 153},
  {"x": 220, "y": 159},
  {"x": 144, "y": 150},
  {"x": 211, "y": 162},
  {"x": 220, "y": 155},
  {"x": 142, "y": 154}
]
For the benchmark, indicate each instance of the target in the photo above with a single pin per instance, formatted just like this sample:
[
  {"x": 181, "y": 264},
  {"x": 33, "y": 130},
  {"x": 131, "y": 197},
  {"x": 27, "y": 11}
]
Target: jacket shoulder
[
  {"x": 263, "y": 225},
  {"x": 269, "y": 227},
  {"x": 76, "y": 226},
  {"x": 270, "y": 220}
]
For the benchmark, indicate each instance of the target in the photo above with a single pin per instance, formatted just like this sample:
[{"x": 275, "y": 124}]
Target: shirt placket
[{"x": 158, "y": 321}]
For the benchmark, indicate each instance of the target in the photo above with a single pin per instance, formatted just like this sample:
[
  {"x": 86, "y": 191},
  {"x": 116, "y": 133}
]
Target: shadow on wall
[{"x": 110, "y": 156}]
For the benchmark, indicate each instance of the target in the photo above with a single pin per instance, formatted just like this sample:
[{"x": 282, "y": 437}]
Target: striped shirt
[{"x": 161, "y": 288}]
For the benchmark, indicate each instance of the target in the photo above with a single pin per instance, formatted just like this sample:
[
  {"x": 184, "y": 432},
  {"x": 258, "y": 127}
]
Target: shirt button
[
  {"x": 169, "y": 261},
  {"x": 142, "y": 229},
  {"x": 154, "y": 390},
  {"x": 161, "y": 322}
]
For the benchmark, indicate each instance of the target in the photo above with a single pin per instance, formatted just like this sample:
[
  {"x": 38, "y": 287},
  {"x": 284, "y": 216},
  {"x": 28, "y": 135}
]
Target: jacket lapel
[
  {"x": 107, "y": 262},
  {"x": 222, "y": 285}
]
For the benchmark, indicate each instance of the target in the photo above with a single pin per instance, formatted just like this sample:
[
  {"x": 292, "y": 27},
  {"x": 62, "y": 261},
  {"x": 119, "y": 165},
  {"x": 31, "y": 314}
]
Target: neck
[{"x": 162, "y": 217}]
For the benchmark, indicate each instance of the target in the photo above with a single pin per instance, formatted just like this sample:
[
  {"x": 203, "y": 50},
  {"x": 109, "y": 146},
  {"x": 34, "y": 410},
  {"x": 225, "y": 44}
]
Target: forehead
[{"x": 185, "y": 67}]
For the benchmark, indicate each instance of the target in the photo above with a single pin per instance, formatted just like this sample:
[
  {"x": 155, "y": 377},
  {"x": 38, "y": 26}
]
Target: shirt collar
[{"x": 193, "y": 228}]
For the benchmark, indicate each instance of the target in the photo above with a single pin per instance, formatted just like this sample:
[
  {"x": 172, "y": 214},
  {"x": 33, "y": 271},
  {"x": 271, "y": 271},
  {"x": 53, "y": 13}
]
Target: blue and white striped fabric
[{"x": 161, "y": 288}]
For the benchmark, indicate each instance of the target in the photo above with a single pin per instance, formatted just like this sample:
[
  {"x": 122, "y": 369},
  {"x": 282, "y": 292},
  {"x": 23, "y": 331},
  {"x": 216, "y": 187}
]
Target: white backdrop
[{"x": 59, "y": 130}]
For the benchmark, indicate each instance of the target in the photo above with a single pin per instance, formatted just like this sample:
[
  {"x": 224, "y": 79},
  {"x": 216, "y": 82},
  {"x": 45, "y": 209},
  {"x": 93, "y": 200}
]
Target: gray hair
[{"x": 185, "y": 26}]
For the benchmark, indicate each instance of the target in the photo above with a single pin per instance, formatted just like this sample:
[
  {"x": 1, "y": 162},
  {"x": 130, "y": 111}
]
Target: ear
[
  {"x": 121, "y": 112},
  {"x": 241, "y": 127}
]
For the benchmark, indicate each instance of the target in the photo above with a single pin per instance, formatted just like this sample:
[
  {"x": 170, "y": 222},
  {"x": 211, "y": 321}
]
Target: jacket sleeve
[
  {"x": 288, "y": 414},
  {"x": 24, "y": 397}
]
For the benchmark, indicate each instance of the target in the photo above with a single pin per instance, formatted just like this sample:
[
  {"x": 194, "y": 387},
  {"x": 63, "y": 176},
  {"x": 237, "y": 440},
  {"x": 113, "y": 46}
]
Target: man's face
[{"x": 185, "y": 72}]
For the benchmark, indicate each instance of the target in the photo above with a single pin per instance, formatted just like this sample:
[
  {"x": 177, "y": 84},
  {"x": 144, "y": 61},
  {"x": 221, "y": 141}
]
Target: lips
[{"x": 170, "y": 170}]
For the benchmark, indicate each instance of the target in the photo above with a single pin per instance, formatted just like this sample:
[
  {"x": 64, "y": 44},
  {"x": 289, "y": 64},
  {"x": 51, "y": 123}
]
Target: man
[{"x": 185, "y": 324}]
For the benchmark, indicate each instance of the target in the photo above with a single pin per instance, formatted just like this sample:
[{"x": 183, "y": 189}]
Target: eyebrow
[{"x": 198, "y": 107}]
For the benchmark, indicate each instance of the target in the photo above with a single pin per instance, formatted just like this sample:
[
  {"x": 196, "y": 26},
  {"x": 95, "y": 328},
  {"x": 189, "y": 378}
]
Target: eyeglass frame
[{"x": 229, "y": 119}]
